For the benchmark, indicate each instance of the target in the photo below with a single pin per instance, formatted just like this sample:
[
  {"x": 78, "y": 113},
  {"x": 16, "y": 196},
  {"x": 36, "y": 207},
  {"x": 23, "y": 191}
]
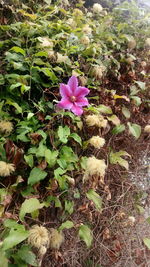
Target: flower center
[{"x": 73, "y": 98}]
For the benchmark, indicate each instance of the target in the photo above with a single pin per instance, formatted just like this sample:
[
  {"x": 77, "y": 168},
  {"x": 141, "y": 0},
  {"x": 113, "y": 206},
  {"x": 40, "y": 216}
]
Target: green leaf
[
  {"x": 141, "y": 85},
  {"x": 69, "y": 206},
  {"x": 18, "y": 50},
  {"x": 49, "y": 73},
  {"x": 134, "y": 129},
  {"x": 86, "y": 234},
  {"x": 136, "y": 100},
  {"x": 25, "y": 254},
  {"x": 36, "y": 175},
  {"x": 63, "y": 134},
  {"x": 3, "y": 260},
  {"x": 2, "y": 80},
  {"x": 51, "y": 157},
  {"x": 148, "y": 220},
  {"x": 92, "y": 195},
  {"x": 14, "y": 237},
  {"x": 29, "y": 206},
  {"x": 76, "y": 137},
  {"x": 66, "y": 225},
  {"x": 147, "y": 242},
  {"x": 116, "y": 157},
  {"x": 114, "y": 119},
  {"x": 118, "y": 129},
  {"x": 29, "y": 160},
  {"x": 126, "y": 112},
  {"x": 12, "y": 103},
  {"x": 104, "y": 109}
]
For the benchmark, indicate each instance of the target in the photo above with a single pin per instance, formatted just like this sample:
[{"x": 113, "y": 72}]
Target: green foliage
[
  {"x": 116, "y": 158},
  {"x": 29, "y": 206},
  {"x": 40, "y": 48},
  {"x": 92, "y": 195},
  {"x": 86, "y": 234},
  {"x": 147, "y": 242}
]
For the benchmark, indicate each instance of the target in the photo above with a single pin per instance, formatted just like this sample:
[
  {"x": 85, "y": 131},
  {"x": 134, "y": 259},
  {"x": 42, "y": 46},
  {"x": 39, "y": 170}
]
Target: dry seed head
[
  {"x": 97, "y": 141},
  {"x": 71, "y": 23},
  {"x": 143, "y": 64},
  {"x": 87, "y": 29},
  {"x": 96, "y": 120},
  {"x": 132, "y": 44},
  {"x": 77, "y": 12},
  {"x": 6, "y": 127},
  {"x": 57, "y": 238},
  {"x": 131, "y": 220},
  {"x": 45, "y": 42},
  {"x": 83, "y": 80},
  {"x": 147, "y": 129},
  {"x": 85, "y": 40},
  {"x": 6, "y": 168},
  {"x": 147, "y": 42},
  {"x": 97, "y": 8},
  {"x": 98, "y": 71},
  {"x": 38, "y": 237},
  {"x": 61, "y": 58},
  {"x": 51, "y": 55},
  {"x": 94, "y": 166}
]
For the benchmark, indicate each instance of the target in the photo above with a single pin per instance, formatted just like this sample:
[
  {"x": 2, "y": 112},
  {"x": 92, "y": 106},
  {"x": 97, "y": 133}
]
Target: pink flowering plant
[{"x": 73, "y": 96}]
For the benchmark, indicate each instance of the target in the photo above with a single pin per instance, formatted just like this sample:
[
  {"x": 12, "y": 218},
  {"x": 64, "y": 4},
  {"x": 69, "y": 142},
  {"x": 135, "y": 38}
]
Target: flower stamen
[{"x": 73, "y": 99}]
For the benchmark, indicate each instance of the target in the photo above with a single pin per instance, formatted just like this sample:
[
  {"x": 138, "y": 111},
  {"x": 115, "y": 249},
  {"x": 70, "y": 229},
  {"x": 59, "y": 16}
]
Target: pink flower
[{"x": 73, "y": 96}]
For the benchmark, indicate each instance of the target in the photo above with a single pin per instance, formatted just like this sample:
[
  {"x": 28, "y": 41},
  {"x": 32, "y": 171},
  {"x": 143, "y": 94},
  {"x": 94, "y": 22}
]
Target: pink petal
[
  {"x": 81, "y": 91},
  {"x": 64, "y": 103},
  {"x": 65, "y": 90},
  {"x": 82, "y": 101},
  {"x": 76, "y": 110},
  {"x": 73, "y": 83}
]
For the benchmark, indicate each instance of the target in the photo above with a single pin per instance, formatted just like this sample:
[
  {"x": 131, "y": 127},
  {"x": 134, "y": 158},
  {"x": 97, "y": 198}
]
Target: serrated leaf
[
  {"x": 36, "y": 175},
  {"x": 134, "y": 129},
  {"x": 14, "y": 238},
  {"x": 92, "y": 195},
  {"x": 76, "y": 137},
  {"x": 126, "y": 112},
  {"x": 29, "y": 206},
  {"x": 118, "y": 129},
  {"x": 147, "y": 242},
  {"x": 66, "y": 225},
  {"x": 86, "y": 234},
  {"x": 63, "y": 134},
  {"x": 148, "y": 220}
]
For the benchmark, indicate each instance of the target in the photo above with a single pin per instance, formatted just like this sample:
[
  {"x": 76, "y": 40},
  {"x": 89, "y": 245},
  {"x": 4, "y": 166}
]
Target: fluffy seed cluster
[
  {"x": 45, "y": 42},
  {"x": 39, "y": 237},
  {"x": 51, "y": 55},
  {"x": 147, "y": 42},
  {"x": 97, "y": 8},
  {"x": 6, "y": 168},
  {"x": 87, "y": 29},
  {"x": 6, "y": 127},
  {"x": 83, "y": 80},
  {"x": 71, "y": 23},
  {"x": 42, "y": 239},
  {"x": 85, "y": 40},
  {"x": 94, "y": 166},
  {"x": 147, "y": 129},
  {"x": 98, "y": 71},
  {"x": 97, "y": 141},
  {"x": 57, "y": 238},
  {"x": 132, "y": 44},
  {"x": 96, "y": 120},
  {"x": 61, "y": 58}
]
